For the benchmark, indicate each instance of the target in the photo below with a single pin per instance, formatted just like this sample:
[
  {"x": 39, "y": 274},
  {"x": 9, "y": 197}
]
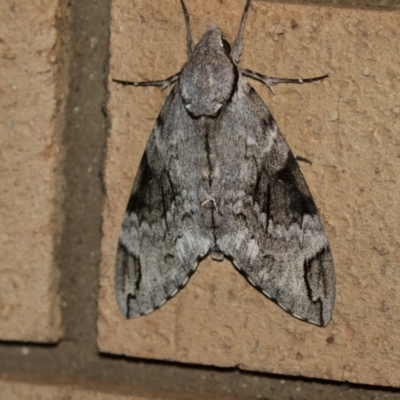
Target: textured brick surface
[
  {"x": 29, "y": 307},
  {"x": 27, "y": 391},
  {"x": 347, "y": 125}
]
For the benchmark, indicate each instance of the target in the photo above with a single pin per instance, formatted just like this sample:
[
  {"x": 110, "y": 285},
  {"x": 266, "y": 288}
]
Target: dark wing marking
[
  {"x": 269, "y": 225},
  {"x": 161, "y": 239}
]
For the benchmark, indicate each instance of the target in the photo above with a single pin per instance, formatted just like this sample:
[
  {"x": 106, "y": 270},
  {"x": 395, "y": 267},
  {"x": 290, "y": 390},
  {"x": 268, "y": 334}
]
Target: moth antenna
[
  {"x": 189, "y": 38},
  {"x": 238, "y": 43}
]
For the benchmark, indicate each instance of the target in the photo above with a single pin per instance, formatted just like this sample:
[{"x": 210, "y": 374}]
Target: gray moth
[{"x": 217, "y": 177}]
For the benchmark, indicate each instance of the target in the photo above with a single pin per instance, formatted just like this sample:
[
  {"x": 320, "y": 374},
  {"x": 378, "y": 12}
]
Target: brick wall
[{"x": 71, "y": 143}]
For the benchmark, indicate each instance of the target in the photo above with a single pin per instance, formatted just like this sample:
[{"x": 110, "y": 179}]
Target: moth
[{"x": 217, "y": 177}]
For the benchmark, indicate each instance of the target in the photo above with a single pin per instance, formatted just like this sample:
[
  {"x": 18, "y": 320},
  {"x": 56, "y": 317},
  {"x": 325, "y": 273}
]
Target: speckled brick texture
[
  {"x": 29, "y": 155},
  {"x": 12, "y": 390},
  {"x": 347, "y": 125}
]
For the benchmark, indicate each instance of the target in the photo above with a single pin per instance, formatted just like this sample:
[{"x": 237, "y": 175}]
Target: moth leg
[
  {"x": 238, "y": 43},
  {"x": 189, "y": 38},
  {"x": 303, "y": 159},
  {"x": 210, "y": 199},
  {"x": 164, "y": 83},
  {"x": 270, "y": 81}
]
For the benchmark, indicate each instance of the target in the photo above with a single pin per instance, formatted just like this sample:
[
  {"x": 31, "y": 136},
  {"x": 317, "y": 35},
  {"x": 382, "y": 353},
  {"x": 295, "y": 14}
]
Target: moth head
[{"x": 208, "y": 80}]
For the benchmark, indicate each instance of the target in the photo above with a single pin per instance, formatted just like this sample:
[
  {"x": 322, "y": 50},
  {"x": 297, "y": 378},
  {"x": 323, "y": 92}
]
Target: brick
[
  {"x": 29, "y": 155},
  {"x": 346, "y": 125},
  {"x": 12, "y": 390}
]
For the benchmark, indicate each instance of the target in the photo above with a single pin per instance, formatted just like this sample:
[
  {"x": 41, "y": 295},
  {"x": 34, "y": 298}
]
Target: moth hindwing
[{"x": 218, "y": 177}]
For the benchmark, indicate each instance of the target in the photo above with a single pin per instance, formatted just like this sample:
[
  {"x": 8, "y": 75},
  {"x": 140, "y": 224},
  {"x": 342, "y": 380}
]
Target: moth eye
[
  {"x": 226, "y": 46},
  {"x": 187, "y": 102}
]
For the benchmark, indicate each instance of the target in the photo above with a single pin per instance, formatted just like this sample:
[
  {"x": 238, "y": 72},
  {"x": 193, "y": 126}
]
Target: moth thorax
[{"x": 208, "y": 80}]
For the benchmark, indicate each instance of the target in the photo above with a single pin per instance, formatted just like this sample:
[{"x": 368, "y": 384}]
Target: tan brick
[
  {"x": 12, "y": 390},
  {"x": 29, "y": 154},
  {"x": 348, "y": 125}
]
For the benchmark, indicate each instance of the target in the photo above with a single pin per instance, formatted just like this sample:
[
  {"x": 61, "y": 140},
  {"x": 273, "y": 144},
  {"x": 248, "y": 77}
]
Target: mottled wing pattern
[
  {"x": 269, "y": 225},
  {"x": 161, "y": 239}
]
